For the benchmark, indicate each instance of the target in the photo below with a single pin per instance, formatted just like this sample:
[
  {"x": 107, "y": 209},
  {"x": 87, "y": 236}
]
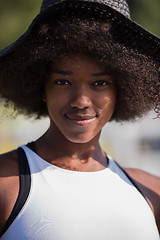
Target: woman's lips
[{"x": 81, "y": 120}]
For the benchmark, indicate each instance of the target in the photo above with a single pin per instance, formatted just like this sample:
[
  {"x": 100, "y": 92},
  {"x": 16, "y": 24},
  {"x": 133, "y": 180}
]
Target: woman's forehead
[{"x": 78, "y": 61}]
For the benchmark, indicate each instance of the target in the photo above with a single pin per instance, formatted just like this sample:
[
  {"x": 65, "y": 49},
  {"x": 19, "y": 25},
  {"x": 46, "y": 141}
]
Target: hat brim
[{"x": 127, "y": 31}]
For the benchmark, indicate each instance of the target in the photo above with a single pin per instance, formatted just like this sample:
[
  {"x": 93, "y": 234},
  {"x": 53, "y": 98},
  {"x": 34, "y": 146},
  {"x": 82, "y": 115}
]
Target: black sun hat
[{"x": 116, "y": 11}]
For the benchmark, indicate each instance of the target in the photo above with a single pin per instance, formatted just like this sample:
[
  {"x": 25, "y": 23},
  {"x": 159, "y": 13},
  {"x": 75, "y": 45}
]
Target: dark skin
[{"x": 76, "y": 119}]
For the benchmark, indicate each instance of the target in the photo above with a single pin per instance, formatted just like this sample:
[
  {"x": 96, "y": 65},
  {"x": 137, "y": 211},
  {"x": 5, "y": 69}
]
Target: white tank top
[{"x": 71, "y": 205}]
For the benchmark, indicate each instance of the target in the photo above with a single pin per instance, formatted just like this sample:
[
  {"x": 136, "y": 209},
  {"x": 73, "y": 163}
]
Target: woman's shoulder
[
  {"x": 9, "y": 184},
  {"x": 149, "y": 185},
  {"x": 8, "y": 164},
  {"x": 148, "y": 180},
  {"x": 9, "y": 170}
]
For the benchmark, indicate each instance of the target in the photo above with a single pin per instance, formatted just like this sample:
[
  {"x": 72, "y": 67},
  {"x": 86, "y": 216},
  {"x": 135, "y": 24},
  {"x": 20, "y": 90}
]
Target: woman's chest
[{"x": 85, "y": 208}]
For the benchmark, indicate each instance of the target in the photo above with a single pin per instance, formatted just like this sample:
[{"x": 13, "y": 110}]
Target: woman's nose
[{"x": 80, "y": 99}]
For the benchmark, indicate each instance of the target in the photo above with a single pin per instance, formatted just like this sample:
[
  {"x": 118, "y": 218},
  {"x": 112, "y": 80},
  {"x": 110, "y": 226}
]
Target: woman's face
[{"x": 80, "y": 95}]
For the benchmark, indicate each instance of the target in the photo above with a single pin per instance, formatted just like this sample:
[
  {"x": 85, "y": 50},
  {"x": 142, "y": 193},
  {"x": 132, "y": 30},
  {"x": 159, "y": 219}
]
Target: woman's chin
[{"x": 81, "y": 138}]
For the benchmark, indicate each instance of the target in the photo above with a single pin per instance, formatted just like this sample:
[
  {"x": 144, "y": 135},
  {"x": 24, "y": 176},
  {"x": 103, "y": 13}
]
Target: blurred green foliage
[
  {"x": 147, "y": 14},
  {"x": 16, "y": 15}
]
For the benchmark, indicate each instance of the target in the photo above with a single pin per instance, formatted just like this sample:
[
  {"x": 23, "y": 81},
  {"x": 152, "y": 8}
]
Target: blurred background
[{"x": 135, "y": 144}]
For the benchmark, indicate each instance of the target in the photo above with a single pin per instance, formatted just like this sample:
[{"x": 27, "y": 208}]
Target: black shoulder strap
[
  {"x": 25, "y": 184},
  {"x": 31, "y": 145},
  {"x": 133, "y": 182}
]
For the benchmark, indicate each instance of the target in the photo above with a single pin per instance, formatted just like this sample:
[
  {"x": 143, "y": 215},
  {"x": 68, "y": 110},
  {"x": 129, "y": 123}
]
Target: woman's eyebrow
[
  {"x": 62, "y": 72},
  {"x": 100, "y": 74}
]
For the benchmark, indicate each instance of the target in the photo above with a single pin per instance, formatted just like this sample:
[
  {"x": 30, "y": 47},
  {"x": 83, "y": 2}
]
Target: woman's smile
[{"x": 81, "y": 120}]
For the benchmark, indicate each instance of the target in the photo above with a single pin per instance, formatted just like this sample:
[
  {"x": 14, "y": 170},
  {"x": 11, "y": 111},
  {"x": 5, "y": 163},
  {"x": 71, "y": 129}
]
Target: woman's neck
[{"x": 73, "y": 156}]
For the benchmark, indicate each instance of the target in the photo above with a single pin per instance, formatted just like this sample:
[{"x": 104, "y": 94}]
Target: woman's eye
[
  {"x": 101, "y": 83},
  {"x": 62, "y": 82}
]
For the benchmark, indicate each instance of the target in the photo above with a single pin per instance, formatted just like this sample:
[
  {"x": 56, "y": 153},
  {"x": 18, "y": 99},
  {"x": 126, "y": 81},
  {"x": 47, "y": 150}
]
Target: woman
[{"x": 81, "y": 63}]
